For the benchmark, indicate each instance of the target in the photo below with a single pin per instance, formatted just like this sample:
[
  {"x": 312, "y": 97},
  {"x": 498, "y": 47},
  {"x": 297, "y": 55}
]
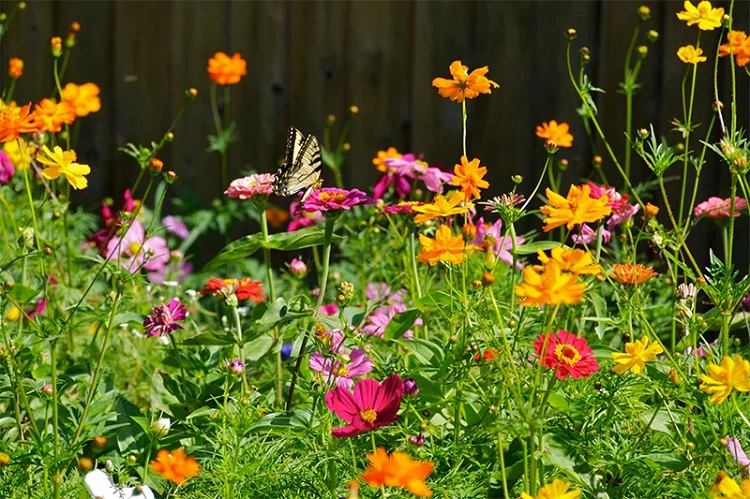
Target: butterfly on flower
[{"x": 302, "y": 165}]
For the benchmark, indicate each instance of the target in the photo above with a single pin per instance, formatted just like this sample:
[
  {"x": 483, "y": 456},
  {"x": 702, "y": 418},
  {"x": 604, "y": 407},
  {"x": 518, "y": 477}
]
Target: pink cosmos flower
[
  {"x": 381, "y": 316},
  {"x": 260, "y": 184},
  {"x": 569, "y": 355},
  {"x": 175, "y": 226},
  {"x": 6, "y": 168},
  {"x": 134, "y": 251},
  {"x": 734, "y": 448},
  {"x": 371, "y": 406},
  {"x": 402, "y": 208},
  {"x": 343, "y": 368},
  {"x": 715, "y": 207},
  {"x": 111, "y": 222},
  {"x": 399, "y": 173},
  {"x": 333, "y": 199},
  {"x": 434, "y": 178},
  {"x": 165, "y": 319},
  {"x": 587, "y": 235},
  {"x": 502, "y": 244}
]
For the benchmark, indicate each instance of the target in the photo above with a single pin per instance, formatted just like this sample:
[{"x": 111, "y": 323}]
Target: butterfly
[{"x": 302, "y": 165}]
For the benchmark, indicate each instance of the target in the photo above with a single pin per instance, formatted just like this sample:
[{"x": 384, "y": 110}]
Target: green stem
[
  {"x": 279, "y": 384},
  {"x": 463, "y": 121},
  {"x": 55, "y": 416},
  {"x": 688, "y": 126}
]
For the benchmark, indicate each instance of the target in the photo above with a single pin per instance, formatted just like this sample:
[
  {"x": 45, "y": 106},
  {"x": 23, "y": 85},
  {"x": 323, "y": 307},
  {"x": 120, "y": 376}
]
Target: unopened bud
[
  {"x": 21, "y": 5},
  {"x": 161, "y": 427},
  {"x": 155, "y": 165},
  {"x": 331, "y": 118},
  {"x": 644, "y": 12},
  {"x": 563, "y": 164},
  {"x": 642, "y": 51},
  {"x": 597, "y": 161},
  {"x": 85, "y": 464},
  {"x": 99, "y": 442},
  {"x": 169, "y": 137},
  {"x": 56, "y": 46},
  {"x": 517, "y": 179},
  {"x": 571, "y": 33},
  {"x": 488, "y": 278},
  {"x": 643, "y": 133},
  {"x": 353, "y": 109},
  {"x": 191, "y": 93},
  {"x": 652, "y": 35},
  {"x": 170, "y": 177},
  {"x": 347, "y": 146}
]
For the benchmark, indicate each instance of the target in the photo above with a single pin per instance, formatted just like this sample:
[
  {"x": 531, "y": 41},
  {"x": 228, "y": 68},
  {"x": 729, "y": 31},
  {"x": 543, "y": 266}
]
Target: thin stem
[
  {"x": 463, "y": 121},
  {"x": 55, "y": 415}
]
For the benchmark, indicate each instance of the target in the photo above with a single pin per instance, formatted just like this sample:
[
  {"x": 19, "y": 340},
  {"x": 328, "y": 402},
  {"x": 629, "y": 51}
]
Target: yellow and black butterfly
[{"x": 302, "y": 165}]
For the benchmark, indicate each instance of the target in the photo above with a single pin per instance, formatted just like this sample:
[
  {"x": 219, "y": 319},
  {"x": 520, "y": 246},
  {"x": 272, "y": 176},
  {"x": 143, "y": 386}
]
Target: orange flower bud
[
  {"x": 15, "y": 68},
  {"x": 155, "y": 165},
  {"x": 56, "y": 46}
]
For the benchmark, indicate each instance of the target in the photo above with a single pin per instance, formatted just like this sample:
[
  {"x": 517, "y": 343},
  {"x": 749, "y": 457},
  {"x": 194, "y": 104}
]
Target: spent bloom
[
  {"x": 631, "y": 274},
  {"x": 58, "y": 162},
  {"x": 704, "y": 15},
  {"x": 721, "y": 379},
  {"x": 637, "y": 353},
  {"x": 558, "y": 489},
  {"x": 343, "y": 368},
  {"x": 225, "y": 70},
  {"x": 165, "y": 319},
  {"x": 442, "y": 206},
  {"x": 83, "y": 98},
  {"x": 550, "y": 287},
  {"x": 398, "y": 470},
  {"x": 738, "y": 44},
  {"x": 175, "y": 466},
  {"x": 444, "y": 248},
  {"x": 568, "y": 355},
  {"x": 716, "y": 208},
  {"x": 372, "y": 405},
  {"x": 690, "y": 54},
  {"x": 469, "y": 176},
  {"x": 577, "y": 208},
  {"x": 333, "y": 199},
  {"x": 248, "y": 187},
  {"x": 555, "y": 134},
  {"x": 464, "y": 85}
]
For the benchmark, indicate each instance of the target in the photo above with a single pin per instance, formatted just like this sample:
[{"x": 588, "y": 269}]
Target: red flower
[
  {"x": 243, "y": 289},
  {"x": 488, "y": 355},
  {"x": 371, "y": 406},
  {"x": 567, "y": 354}
]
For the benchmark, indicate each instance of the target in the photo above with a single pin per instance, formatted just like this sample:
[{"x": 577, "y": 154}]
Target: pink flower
[
  {"x": 176, "y": 226},
  {"x": 569, "y": 355},
  {"x": 329, "y": 309},
  {"x": 402, "y": 208},
  {"x": 622, "y": 211},
  {"x": 39, "y": 308},
  {"x": 371, "y": 406},
  {"x": 342, "y": 369},
  {"x": 111, "y": 222},
  {"x": 379, "y": 318},
  {"x": 297, "y": 268},
  {"x": 502, "y": 244},
  {"x": 302, "y": 219},
  {"x": 260, "y": 184},
  {"x": 587, "y": 235},
  {"x": 734, "y": 448},
  {"x": 133, "y": 250},
  {"x": 236, "y": 366},
  {"x": 6, "y": 168},
  {"x": 165, "y": 319},
  {"x": 333, "y": 199},
  {"x": 434, "y": 178},
  {"x": 715, "y": 207}
]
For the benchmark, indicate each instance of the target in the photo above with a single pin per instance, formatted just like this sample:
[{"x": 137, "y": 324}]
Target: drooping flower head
[
  {"x": 469, "y": 176},
  {"x": 568, "y": 355},
  {"x": 550, "y": 287},
  {"x": 342, "y": 368},
  {"x": 558, "y": 489},
  {"x": 704, "y": 15},
  {"x": 555, "y": 134},
  {"x": 738, "y": 44},
  {"x": 83, "y": 98},
  {"x": 133, "y": 250},
  {"x": 398, "y": 470},
  {"x": 225, "y": 70},
  {"x": 332, "y": 199},
  {"x": 631, "y": 274},
  {"x": 58, "y": 162},
  {"x": 691, "y": 55},
  {"x": 260, "y": 184},
  {"x": 636, "y": 354},
  {"x": 175, "y": 466},
  {"x": 441, "y": 206},
  {"x": 165, "y": 319},
  {"x": 722, "y": 379},
  {"x": 718, "y": 208},
  {"x": 244, "y": 289},
  {"x": 577, "y": 208},
  {"x": 371, "y": 406},
  {"x": 444, "y": 248},
  {"x": 464, "y": 85}
]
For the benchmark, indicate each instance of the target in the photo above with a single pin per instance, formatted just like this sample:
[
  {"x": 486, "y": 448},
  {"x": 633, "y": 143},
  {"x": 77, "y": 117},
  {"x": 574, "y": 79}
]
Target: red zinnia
[
  {"x": 567, "y": 354},
  {"x": 243, "y": 289},
  {"x": 371, "y": 406}
]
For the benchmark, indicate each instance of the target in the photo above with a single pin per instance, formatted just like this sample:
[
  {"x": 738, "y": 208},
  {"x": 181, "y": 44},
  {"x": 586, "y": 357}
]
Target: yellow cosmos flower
[
  {"x": 444, "y": 248},
  {"x": 12, "y": 313},
  {"x": 550, "y": 287},
  {"x": 59, "y": 162},
  {"x": 704, "y": 15},
  {"x": 575, "y": 261},
  {"x": 441, "y": 206},
  {"x": 18, "y": 152},
  {"x": 469, "y": 176},
  {"x": 726, "y": 487},
  {"x": 637, "y": 353},
  {"x": 575, "y": 209},
  {"x": 379, "y": 160},
  {"x": 558, "y": 489},
  {"x": 691, "y": 55},
  {"x": 731, "y": 374}
]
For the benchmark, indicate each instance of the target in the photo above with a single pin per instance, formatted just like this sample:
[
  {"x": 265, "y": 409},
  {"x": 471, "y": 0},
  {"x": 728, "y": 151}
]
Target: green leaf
[
  {"x": 532, "y": 248},
  {"x": 22, "y": 294},
  {"x": 258, "y": 347},
  {"x": 297, "y": 419},
  {"x": 210, "y": 339},
  {"x": 400, "y": 324}
]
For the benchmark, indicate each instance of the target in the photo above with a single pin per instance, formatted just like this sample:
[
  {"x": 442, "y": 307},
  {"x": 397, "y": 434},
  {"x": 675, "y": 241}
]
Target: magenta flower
[
  {"x": 297, "y": 268},
  {"x": 342, "y": 369},
  {"x": 434, "y": 178},
  {"x": 329, "y": 309},
  {"x": 236, "y": 366},
  {"x": 502, "y": 244},
  {"x": 175, "y": 226},
  {"x": 39, "y": 308},
  {"x": 6, "y": 168},
  {"x": 301, "y": 218},
  {"x": 111, "y": 222},
  {"x": 133, "y": 250},
  {"x": 622, "y": 211},
  {"x": 333, "y": 199},
  {"x": 734, "y": 448},
  {"x": 371, "y": 406},
  {"x": 260, "y": 184},
  {"x": 399, "y": 172},
  {"x": 715, "y": 207},
  {"x": 165, "y": 319},
  {"x": 402, "y": 208}
]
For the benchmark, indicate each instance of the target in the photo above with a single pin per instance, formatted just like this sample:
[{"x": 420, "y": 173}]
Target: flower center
[
  {"x": 331, "y": 196},
  {"x": 134, "y": 248},
  {"x": 567, "y": 353},
  {"x": 368, "y": 415},
  {"x": 342, "y": 371}
]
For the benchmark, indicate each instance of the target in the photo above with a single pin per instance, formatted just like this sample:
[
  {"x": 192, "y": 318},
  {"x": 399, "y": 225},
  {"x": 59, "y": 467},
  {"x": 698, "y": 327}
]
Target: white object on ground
[{"x": 100, "y": 486}]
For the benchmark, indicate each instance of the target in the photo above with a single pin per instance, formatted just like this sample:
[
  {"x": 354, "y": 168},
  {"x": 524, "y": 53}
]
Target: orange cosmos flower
[
  {"x": 16, "y": 120},
  {"x": 379, "y": 159},
  {"x": 650, "y": 210},
  {"x": 225, "y": 70},
  {"x": 550, "y": 287},
  {"x": 84, "y": 98},
  {"x": 444, "y": 248},
  {"x": 556, "y": 134},
  {"x": 558, "y": 489},
  {"x": 51, "y": 115},
  {"x": 464, "y": 85},
  {"x": 575, "y": 261},
  {"x": 398, "y": 470},
  {"x": 632, "y": 274},
  {"x": 739, "y": 45},
  {"x": 441, "y": 206},
  {"x": 15, "y": 68},
  {"x": 578, "y": 208},
  {"x": 276, "y": 216},
  {"x": 468, "y": 175},
  {"x": 175, "y": 465}
]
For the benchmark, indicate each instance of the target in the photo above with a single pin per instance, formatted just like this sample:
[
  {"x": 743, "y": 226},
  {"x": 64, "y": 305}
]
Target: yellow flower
[
  {"x": 551, "y": 287},
  {"x": 727, "y": 488},
  {"x": 19, "y": 156},
  {"x": 444, "y": 248},
  {"x": 691, "y": 55},
  {"x": 379, "y": 159},
  {"x": 556, "y": 134},
  {"x": 59, "y": 162},
  {"x": 575, "y": 261},
  {"x": 731, "y": 374},
  {"x": 578, "y": 208},
  {"x": 637, "y": 353},
  {"x": 12, "y": 313},
  {"x": 84, "y": 98},
  {"x": 558, "y": 489},
  {"x": 441, "y": 206},
  {"x": 469, "y": 176},
  {"x": 464, "y": 85},
  {"x": 704, "y": 15}
]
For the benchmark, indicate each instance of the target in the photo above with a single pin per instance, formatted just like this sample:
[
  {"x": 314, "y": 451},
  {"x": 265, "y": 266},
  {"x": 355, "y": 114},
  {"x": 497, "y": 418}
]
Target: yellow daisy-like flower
[
  {"x": 726, "y": 487},
  {"x": 444, "y": 248},
  {"x": 550, "y": 287},
  {"x": 18, "y": 152},
  {"x": 59, "y": 162},
  {"x": 470, "y": 177},
  {"x": 441, "y": 206},
  {"x": 558, "y": 489},
  {"x": 691, "y": 55},
  {"x": 576, "y": 261},
  {"x": 637, "y": 353},
  {"x": 575, "y": 209},
  {"x": 731, "y": 374},
  {"x": 704, "y": 15},
  {"x": 379, "y": 160}
]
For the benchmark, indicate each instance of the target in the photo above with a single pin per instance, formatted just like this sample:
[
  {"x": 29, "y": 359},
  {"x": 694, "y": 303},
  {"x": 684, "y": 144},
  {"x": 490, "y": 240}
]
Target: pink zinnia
[
  {"x": 260, "y": 184},
  {"x": 715, "y": 207},
  {"x": 342, "y": 369},
  {"x": 134, "y": 250},
  {"x": 371, "y": 406},
  {"x": 301, "y": 218},
  {"x": 165, "y": 319},
  {"x": 569, "y": 355},
  {"x": 333, "y": 199}
]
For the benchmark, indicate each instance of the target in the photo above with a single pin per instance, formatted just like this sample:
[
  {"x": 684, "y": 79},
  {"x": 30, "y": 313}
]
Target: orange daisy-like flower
[
  {"x": 444, "y": 248},
  {"x": 464, "y": 85},
  {"x": 441, "y": 206},
  {"x": 556, "y": 134},
  {"x": 469, "y": 176},
  {"x": 739, "y": 45},
  {"x": 16, "y": 120},
  {"x": 84, "y": 98},
  {"x": 550, "y": 287},
  {"x": 225, "y": 70},
  {"x": 632, "y": 274},
  {"x": 575, "y": 261},
  {"x": 175, "y": 466},
  {"x": 575, "y": 209},
  {"x": 276, "y": 216},
  {"x": 15, "y": 68},
  {"x": 398, "y": 470},
  {"x": 726, "y": 487},
  {"x": 381, "y": 156},
  {"x": 51, "y": 115}
]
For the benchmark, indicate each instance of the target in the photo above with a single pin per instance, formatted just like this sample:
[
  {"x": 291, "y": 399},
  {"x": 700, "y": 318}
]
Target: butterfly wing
[{"x": 302, "y": 167}]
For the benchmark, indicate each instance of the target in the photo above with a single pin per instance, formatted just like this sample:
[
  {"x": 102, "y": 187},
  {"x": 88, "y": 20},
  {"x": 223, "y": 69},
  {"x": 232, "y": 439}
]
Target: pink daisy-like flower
[
  {"x": 6, "y": 168},
  {"x": 175, "y": 226},
  {"x": 260, "y": 184},
  {"x": 333, "y": 199},
  {"x": 371, "y": 406},
  {"x": 715, "y": 207},
  {"x": 134, "y": 250},
  {"x": 502, "y": 244},
  {"x": 165, "y": 319},
  {"x": 569, "y": 355},
  {"x": 343, "y": 368},
  {"x": 402, "y": 208},
  {"x": 587, "y": 235}
]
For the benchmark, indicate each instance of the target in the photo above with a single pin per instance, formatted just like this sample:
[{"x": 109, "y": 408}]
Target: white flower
[{"x": 161, "y": 427}]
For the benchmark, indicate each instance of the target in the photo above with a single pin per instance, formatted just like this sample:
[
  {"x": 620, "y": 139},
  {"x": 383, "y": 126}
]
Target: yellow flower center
[
  {"x": 332, "y": 196},
  {"x": 567, "y": 353},
  {"x": 341, "y": 371},
  {"x": 368, "y": 415},
  {"x": 134, "y": 248}
]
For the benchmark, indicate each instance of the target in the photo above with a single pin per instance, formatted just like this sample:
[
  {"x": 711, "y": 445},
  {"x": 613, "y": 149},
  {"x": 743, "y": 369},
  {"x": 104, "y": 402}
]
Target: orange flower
[
  {"x": 441, "y": 206},
  {"x": 464, "y": 85},
  {"x": 398, "y": 470},
  {"x": 16, "y": 120},
  {"x": 577, "y": 208},
  {"x": 557, "y": 134},
  {"x": 243, "y": 289},
  {"x": 51, "y": 115},
  {"x": 225, "y": 70},
  {"x": 651, "y": 210},
  {"x": 276, "y": 216},
  {"x": 15, "y": 68},
  {"x": 84, "y": 98},
  {"x": 739, "y": 45},
  {"x": 632, "y": 274},
  {"x": 444, "y": 248},
  {"x": 468, "y": 175},
  {"x": 575, "y": 261},
  {"x": 175, "y": 465},
  {"x": 379, "y": 159},
  {"x": 551, "y": 287}
]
